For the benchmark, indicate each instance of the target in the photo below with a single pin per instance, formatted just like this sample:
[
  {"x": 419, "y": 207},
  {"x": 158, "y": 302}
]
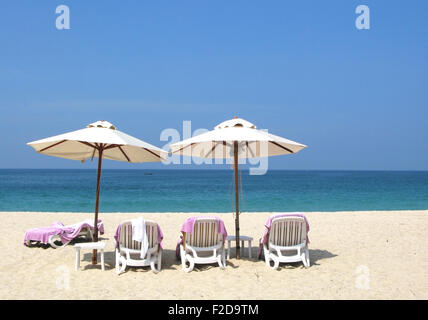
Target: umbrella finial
[
  {"x": 102, "y": 124},
  {"x": 235, "y": 122}
]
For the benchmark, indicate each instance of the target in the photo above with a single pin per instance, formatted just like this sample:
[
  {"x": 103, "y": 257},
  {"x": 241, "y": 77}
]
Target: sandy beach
[{"x": 354, "y": 255}]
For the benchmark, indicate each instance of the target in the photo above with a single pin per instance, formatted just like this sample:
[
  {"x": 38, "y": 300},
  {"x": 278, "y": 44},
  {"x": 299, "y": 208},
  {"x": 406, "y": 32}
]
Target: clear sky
[{"x": 357, "y": 98}]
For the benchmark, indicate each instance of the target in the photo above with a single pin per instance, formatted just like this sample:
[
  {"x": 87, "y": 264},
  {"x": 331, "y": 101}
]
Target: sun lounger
[
  {"x": 58, "y": 232},
  {"x": 202, "y": 242},
  {"x": 285, "y": 240},
  {"x": 128, "y": 251}
]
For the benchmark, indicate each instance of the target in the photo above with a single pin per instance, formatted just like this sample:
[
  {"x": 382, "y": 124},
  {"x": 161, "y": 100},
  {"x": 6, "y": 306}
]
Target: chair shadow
[
  {"x": 80, "y": 239},
  {"x": 317, "y": 254},
  {"x": 174, "y": 262},
  {"x": 39, "y": 245},
  {"x": 314, "y": 254},
  {"x": 171, "y": 261},
  {"x": 168, "y": 261}
]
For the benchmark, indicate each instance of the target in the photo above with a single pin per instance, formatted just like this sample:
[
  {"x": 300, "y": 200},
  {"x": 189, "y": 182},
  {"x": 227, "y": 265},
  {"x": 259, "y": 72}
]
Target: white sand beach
[{"x": 354, "y": 255}]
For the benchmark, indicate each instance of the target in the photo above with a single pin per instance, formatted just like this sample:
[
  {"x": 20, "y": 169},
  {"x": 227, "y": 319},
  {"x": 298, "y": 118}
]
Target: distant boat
[{"x": 147, "y": 173}]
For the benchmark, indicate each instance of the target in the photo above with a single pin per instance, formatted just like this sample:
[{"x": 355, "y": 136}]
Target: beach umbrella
[
  {"x": 234, "y": 139},
  {"x": 99, "y": 140}
]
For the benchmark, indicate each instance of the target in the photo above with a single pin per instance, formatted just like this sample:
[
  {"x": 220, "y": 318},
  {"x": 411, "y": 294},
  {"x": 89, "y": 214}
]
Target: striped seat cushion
[
  {"x": 126, "y": 235},
  {"x": 205, "y": 234},
  {"x": 287, "y": 231}
]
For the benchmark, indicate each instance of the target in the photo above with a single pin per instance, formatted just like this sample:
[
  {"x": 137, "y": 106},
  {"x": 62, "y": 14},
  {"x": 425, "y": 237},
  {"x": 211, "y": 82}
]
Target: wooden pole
[
  {"x": 235, "y": 169},
  {"x": 95, "y": 234}
]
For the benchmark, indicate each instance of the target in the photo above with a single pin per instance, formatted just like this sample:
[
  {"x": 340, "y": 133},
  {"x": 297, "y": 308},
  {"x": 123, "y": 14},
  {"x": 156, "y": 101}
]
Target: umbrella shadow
[
  {"x": 171, "y": 261},
  {"x": 168, "y": 261},
  {"x": 245, "y": 254},
  {"x": 109, "y": 260},
  {"x": 198, "y": 267}
]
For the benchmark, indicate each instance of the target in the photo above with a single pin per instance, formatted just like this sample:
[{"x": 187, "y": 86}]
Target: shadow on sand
[{"x": 315, "y": 255}]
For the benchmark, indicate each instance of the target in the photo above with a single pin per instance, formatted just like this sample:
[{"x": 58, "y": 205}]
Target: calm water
[{"x": 211, "y": 190}]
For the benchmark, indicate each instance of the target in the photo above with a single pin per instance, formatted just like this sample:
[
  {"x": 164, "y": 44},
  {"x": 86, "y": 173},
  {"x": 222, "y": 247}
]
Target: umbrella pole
[
  {"x": 95, "y": 234},
  {"x": 235, "y": 169}
]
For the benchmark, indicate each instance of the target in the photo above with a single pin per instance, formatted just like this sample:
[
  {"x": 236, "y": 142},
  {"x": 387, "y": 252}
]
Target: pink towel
[
  {"x": 66, "y": 233},
  {"x": 68, "y": 236},
  {"x": 188, "y": 225},
  {"x": 268, "y": 225}
]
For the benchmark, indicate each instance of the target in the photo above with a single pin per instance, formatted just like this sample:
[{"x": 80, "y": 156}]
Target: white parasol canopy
[
  {"x": 236, "y": 138},
  {"x": 83, "y": 144},
  {"x": 252, "y": 142},
  {"x": 99, "y": 140}
]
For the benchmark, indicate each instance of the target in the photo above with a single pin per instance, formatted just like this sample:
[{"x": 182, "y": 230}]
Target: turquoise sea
[{"x": 212, "y": 190}]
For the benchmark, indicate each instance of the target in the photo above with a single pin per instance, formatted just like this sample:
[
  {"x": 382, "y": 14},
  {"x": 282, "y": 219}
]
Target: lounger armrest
[
  {"x": 150, "y": 251},
  {"x": 188, "y": 247},
  {"x": 278, "y": 249},
  {"x": 216, "y": 247}
]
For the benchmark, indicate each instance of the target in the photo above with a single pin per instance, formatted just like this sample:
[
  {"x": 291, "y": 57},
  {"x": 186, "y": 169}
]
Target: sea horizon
[
  {"x": 212, "y": 190},
  {"x": 224, "y": 169}
]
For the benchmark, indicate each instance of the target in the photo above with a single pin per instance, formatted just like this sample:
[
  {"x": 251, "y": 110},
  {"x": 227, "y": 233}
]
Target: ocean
[{"x": 211, "y": 190}]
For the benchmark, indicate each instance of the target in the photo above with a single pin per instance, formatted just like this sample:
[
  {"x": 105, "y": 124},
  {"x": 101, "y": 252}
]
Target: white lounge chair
[
  {"x": 84, "y": 232},
  {"x": 128, "y": 251},
  {"x": 203, "y": 246},
  {"x": 287, "y": 235}
]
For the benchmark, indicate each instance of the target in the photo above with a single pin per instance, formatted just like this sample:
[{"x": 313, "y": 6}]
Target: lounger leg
[
  {"x": 160, "y": 260},
  {"x": 266, "y": 254},
  {"x": 152, "y": 264},
  {"x": 120, "y": 260},
  {"x": 52, "y": 242},
  {"x": 77, "y": 265},
  {"x": 228, "y": 249},
  {"x": 117, "y": 261},
  {"x": 186, "y": 257},
  {"x": 102, "y": 260},
  {"x": 219, "y": 261},
  {"x": 123, "y": 262},
  {"x": 308, "y": 263},
  {"x": 275, "y": 260},
  {"x": 249, "y": 249}
]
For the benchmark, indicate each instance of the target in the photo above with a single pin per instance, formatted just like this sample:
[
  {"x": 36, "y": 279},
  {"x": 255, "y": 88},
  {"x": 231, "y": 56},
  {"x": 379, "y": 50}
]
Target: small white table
[
  {"x": 242, "y": 239},
  {"x": 89, "y": 246}
]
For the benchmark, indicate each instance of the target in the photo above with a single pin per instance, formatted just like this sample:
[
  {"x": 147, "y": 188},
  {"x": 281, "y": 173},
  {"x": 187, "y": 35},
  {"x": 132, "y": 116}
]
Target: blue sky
[{"x": 357, "y": 98}]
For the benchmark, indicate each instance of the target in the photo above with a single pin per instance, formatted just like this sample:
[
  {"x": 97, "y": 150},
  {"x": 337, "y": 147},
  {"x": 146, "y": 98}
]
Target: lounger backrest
[
  {"x": 126, "y": 235},
  {"x": 205, "y": 233},
  {"x": 287, "y": 231}
]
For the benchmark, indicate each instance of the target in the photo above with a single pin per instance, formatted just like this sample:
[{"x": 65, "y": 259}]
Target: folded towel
[
  {"x": 139, "y": 234},
  {"x": 117, "y": 236}
]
